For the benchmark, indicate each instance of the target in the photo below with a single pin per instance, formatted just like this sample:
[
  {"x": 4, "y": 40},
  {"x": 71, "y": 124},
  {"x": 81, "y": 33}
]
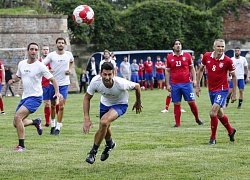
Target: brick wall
[
  {"x": 17, "y": 31},
  {"x": 236, "y": 30}
]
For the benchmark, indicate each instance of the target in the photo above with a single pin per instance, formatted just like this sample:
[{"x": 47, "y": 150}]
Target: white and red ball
[{"x": 83, "y": 14}]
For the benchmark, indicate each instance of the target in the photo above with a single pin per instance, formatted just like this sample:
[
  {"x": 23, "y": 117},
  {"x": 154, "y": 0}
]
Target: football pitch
[{"x": 148, "y": 147}]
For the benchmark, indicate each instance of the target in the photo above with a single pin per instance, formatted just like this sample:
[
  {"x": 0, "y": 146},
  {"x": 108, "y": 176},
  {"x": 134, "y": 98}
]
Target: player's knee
[
  {"x": 61, "y": 108},
  {"x": 212, "y": 114},
  {"x": 104, "y": 123}
]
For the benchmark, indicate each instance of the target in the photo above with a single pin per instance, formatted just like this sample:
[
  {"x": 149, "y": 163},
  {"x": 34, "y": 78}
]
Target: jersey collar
[
  {"x": 176, "y": 55},
  {"x": 221, "y": 58}
]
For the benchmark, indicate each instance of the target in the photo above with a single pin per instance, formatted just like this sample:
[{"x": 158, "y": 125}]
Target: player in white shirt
[
  {"x": 61, "y": 63},
  {"x": 241, "y": 66},
  {"x": 114, "y": 103},
  {"x": 30, "y": 71},
  {"x": 107, "y": 58}
]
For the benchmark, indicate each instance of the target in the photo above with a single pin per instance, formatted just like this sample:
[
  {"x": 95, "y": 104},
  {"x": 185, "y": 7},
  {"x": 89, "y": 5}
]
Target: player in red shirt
[
  {"x": 160, "y": 68},
  {"x": 217, "y": 65},
  {"x": 148, "y": 66},
  {"x": 179, "y": 67},
  {"x": 141, "y": 73},
  {"x": 2, "y": 82},
  {"x": 46, "y": 91}
]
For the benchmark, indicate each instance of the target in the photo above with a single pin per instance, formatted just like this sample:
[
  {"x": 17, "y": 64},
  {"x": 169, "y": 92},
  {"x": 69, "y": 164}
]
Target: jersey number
[
  {"x": 213, "y": 68},
  {"x": 178, "y": 63}
]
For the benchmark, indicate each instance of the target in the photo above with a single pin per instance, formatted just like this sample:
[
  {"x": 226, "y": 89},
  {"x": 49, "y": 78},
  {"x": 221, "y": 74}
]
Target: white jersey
[
  {"x": 240, "y": 64},
  {"x": 60, "y": 64},
  {"x": 118, "y": 94},
  {"x": 110, "y": 60},
  {"x": 31, "y": 75}
]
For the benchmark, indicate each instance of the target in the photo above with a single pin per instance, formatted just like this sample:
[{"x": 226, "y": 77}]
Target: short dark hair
[
  {"x": 237, "y": 48},
  {"x": 32, "y": 44},
  {"x": 107, "y": 66},
  {"x": 61, "y": 38}
]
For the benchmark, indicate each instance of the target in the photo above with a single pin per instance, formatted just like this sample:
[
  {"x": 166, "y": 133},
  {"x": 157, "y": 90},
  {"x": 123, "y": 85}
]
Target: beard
[{"x": 60, "y": 48}]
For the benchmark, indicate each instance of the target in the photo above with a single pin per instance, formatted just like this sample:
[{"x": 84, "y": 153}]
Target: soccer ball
[{"x": 83, "y": 14}]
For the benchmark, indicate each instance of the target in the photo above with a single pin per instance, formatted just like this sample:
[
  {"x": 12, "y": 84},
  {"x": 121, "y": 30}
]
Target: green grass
[{"x": 148, "y": 147}]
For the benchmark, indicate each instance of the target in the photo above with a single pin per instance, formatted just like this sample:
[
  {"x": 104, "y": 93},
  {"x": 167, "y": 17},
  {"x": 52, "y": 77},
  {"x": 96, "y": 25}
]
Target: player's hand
[
  {"x": 247, "y": 79},
  {"x": 198, "y": 91},
  {"x": 138, "y": 107},
  {"x": 86, "y": 125},
  {"x": 58, "y": 96},
  {"x": 169, "y": 88},
  {"x": 194, "y": 83},
  {"x": 68, "y": 72},
  {"x": 233, "y": 97},
  {"x": 3, "y": 83}
]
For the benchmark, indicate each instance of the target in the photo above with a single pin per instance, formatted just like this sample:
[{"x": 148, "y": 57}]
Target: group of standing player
[{"x": 180, "y": 81}]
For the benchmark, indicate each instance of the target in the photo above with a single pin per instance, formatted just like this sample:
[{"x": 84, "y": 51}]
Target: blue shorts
[
  {"x": 185, "y": 89},
  {"x": 1, "y": 87},
  {"x": 218, "y": 97},
  {"x": 240, "y": 83},
  {"x": 62, "y": 89},
  {"x": 119, "y": 108},
  {"x": 149, "y": 77},
  {"x": 141, "y": 78},
  {"x": 46, "y": 93},
  {"x": 135, "y": 78},
  {"x": 31, "y": 103},
  {"x": 160, "y": 76}
]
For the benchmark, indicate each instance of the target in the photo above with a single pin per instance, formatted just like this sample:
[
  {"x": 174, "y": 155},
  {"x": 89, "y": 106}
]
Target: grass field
[{"x": 148, "y": 147}]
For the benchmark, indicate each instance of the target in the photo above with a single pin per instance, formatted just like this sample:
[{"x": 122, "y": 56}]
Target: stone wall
[
  {"x": 236, "y": 28},
  {"x": 17, "y": 31}
]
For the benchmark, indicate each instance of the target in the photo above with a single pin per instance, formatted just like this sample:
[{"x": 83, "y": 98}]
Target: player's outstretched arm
[
  {"x": 198, "y": 77},
  {"x": 234, "y": 79},
  {"x": 86, "y": 106},
  {"x": 138, "y": 104}
]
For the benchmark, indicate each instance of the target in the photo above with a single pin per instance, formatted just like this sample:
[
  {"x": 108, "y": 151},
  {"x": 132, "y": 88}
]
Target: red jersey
[
  {"x": 217, "y": 71},
  {"x": 141, "y": 69},
  {"x": 45, "y": 82},
  {"x": 148, "y": 65},
  {"x": 179, "y": 67},
  {"x": 1, "y": 72},
  {"x": 161, "y": 69}
]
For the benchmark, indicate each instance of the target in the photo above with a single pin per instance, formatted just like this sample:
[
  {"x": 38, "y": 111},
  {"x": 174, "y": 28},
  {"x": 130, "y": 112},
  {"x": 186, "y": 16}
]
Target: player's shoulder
[
  {"x": 186, "y": 54},
  {"x": 207, "y": 54},
  {"x": 96, "y": 78},
  {"x": 68, "y": 52},
  {"x": 23, "y": 61}
]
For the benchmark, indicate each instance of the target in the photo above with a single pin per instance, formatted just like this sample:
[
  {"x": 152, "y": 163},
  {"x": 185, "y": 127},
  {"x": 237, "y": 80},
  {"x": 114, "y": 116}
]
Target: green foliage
[{"x": 146, "y": 24}]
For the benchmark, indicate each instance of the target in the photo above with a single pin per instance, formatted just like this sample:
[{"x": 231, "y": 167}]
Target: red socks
[
  {"x": 177, "y": 114},
  {"x": 151, "y": 85},
  {"x": 168, "y": 100},
  {"x": 1, "y": 104},
  {"x": 214, "y": 125},
  {"x": 194, "y": 109},
  {"x": 47, "y": 114},
  {"x": 226, "y": 124}
]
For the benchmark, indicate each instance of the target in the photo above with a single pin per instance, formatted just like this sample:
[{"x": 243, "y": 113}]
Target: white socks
[
  {"x": 53, "y": 123},
  {"x": 58, "y": 125}
]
